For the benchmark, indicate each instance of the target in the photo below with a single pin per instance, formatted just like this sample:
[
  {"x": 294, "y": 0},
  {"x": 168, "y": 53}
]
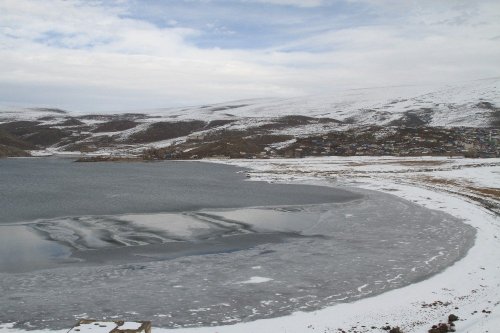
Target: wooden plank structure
[{"x": 116, "y": 326}]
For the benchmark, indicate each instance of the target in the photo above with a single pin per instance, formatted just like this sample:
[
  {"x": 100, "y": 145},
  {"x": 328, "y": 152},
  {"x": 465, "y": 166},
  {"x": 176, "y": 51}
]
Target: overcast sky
[{"x": 90, "y": 55}]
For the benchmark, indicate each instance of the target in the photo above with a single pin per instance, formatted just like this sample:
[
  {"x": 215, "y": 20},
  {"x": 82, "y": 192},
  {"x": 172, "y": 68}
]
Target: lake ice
[{"x": 209, "y": 249}]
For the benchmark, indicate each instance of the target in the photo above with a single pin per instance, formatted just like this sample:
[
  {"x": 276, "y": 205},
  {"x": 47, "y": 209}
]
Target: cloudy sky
[{"x": 90, "y": 55}]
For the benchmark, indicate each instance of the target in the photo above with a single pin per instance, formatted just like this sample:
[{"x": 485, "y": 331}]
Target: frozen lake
[
  {"x": 52, "y": 187},
  {"x": 193, "y": 244}
]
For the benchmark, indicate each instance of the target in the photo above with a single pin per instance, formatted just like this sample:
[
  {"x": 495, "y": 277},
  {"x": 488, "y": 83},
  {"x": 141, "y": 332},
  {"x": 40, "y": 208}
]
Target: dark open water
[{"x": 53, "y": 187}]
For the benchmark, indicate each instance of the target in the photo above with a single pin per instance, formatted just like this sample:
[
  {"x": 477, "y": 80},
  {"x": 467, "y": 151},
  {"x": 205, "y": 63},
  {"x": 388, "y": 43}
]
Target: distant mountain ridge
[{"x": 474, "y": 104}]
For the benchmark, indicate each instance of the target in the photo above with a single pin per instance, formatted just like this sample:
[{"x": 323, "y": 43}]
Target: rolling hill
[{"x": 246, "y": 128}]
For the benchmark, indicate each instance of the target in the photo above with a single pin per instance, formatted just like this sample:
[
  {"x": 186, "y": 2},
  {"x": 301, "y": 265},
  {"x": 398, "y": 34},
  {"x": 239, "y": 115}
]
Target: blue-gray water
[
  {"x": 51, "y": 187},
  {"x": 182, "y": 244}
]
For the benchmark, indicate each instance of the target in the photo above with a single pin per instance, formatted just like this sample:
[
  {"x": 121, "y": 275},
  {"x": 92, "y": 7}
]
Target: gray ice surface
[
  {"x": 222, "y": 265},
  {"x": 338, "y": 253}
]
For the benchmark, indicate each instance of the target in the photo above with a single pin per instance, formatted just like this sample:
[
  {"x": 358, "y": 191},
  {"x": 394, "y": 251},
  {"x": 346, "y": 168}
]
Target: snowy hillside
[
  {"x": 459, "y": 105},
  {"x": 451, "y": 105},
  {"x": 474, "y": 104}
]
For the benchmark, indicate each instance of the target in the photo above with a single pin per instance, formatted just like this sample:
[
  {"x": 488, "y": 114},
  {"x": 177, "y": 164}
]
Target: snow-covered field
[{"x": 465, "y": 188}]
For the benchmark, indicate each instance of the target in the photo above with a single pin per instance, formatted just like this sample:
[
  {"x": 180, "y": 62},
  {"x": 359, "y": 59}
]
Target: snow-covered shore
[
  {"x": 460, "y": 187},
  {"x": 470, "y": 288}
]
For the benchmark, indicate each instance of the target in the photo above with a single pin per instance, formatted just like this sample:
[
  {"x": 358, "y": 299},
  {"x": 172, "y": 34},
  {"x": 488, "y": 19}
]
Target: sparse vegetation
[
  {"x": 115, "y": 126},
  {"x": 166, "y": 130},
  {"x": 7, "y": 151},
  {"x": 107, "y": 159},
  {"x": 9, "y": 140},
  {"x": 71, "y": 122},
  {"x": 33, "y": 134}
]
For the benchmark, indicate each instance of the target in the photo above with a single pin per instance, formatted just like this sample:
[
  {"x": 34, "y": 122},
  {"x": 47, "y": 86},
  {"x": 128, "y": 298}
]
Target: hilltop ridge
[{"x": 257, "y": 127}]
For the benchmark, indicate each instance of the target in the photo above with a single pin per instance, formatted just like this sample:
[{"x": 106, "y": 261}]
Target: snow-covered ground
[{"x": 464, "y": 188}]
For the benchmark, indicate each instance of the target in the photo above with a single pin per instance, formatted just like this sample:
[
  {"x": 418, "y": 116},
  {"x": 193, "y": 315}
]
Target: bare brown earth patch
[
  {"x": 400, "y": 162},
  {"x": 487, "y": 197},
  {"x": 417, "y": 163},
  {"x": 487, "y": 191},
  {"x": 439, "y": 181}
]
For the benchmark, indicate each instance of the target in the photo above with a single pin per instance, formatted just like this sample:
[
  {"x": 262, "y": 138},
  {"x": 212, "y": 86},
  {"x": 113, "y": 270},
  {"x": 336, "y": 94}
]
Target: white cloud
[{"x": 82, "y": 55}]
